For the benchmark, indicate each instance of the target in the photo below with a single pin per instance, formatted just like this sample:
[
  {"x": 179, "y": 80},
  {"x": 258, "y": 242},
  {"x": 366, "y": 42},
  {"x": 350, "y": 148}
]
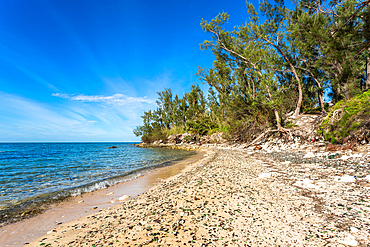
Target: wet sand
[{"x": 26, "y": 231}]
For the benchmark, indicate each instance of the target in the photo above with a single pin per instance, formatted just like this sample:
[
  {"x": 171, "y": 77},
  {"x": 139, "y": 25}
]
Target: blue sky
[{"x": 86, "y": 70}]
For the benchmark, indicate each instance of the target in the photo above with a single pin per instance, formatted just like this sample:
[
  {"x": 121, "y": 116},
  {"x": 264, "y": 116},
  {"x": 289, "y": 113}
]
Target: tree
[{"x": 239, "y": 53}]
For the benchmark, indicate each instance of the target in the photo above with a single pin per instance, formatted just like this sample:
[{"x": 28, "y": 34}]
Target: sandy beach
[
  {"x": 230, "y": 198},
  {"x": 22, "y": 232}
]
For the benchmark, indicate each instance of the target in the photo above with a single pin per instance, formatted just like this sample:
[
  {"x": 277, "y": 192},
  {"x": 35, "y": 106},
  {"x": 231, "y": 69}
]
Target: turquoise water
[{"x": 33, "y": 173}]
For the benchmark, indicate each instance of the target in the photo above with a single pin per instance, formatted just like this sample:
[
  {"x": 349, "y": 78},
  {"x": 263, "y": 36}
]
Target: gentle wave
[{"x": 35, "y": 174}]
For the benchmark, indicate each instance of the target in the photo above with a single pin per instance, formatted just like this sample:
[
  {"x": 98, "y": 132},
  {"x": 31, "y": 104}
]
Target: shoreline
[
  {"x": 21, "y": 232},
  {"x": 240, "y": 198}
]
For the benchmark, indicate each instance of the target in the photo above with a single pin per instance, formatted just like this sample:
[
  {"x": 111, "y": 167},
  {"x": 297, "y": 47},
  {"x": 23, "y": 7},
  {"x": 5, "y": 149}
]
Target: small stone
[
  {"x": 354, "y": 229},
  {"x": 264, "y": 175},
  {"x": 309, "y": 155},
  {"x": 122, "y": 198},
  {"x": 345, "y": 179},
  {"x": 349, "y": 240},
  {"x": 345, "y": 157}
]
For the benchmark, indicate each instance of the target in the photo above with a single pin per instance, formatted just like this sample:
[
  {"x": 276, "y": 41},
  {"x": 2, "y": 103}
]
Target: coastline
[
  {"x": 237, "y": 197},
  {"x": 21, "y": 232},
  {"x": 241, "y": 197}
]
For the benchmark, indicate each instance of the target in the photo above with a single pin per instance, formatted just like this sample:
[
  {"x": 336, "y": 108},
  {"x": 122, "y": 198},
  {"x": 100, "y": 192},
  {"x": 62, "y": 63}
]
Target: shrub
[{"x": 346, "y": 118}]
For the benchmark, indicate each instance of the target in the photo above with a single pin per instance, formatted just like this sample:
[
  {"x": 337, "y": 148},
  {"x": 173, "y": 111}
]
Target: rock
[
  {"x": 349, "y": 240},
  {"x": 305, "y": 183},
  {"x": 264, "y": 175},
  {"x": 354, "y": 229},
  {"x": 214, "y": 138},
  {"x": 345, "y": 179},
  {"x": 345, "y": 157},
  {"x": 113, "y": 147},
  {"x": 178, "y": 138},
  {"x": 257, "y": 148},
  {"x": 122, "y": 198},
  {"x": 356, "y": 155},
  {"x": 184, "y": 136},
  {"x": 309, "y": 155}
]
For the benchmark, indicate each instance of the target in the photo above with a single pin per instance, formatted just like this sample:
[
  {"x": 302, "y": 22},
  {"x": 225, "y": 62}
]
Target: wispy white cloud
[
  {"x": 24, "y": 119},
  {"x": 117, "y": 99}
]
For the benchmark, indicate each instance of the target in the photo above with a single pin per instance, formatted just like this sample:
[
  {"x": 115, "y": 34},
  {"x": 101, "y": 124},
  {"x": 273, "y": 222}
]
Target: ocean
[{"x": 35, "y": 174}]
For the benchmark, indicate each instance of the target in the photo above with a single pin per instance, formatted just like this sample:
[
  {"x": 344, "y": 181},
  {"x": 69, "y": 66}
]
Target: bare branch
[
  {"x": 367, "y": 46},
  {"x": 353, "y": 15}
]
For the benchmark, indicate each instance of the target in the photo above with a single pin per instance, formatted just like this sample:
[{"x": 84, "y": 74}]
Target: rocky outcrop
[
  {"x": 304, "y": 126},
  {"x": 179, "y": 138},
  {"x": 214, "y": 138}
]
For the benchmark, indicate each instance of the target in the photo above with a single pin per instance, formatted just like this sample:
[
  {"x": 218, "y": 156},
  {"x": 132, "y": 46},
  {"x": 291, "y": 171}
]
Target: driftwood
[
  {"x": 260, "y": 137},
  {"x": 282, "y": 130},
  {"x": 337, "y": 115}
]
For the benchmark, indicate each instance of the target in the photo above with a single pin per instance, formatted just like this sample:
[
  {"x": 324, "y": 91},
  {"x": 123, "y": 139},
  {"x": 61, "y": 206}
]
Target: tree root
[
  {"x": 281, "y": 130},
  {"x": 337, "y": 115}
]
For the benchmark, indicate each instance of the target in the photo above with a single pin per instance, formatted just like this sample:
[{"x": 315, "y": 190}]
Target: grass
[{"x": 351, "y": 116}]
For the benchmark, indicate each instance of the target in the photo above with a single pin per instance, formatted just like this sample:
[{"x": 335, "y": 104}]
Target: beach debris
[
  {"x": 258, "y": 147},
  {"x": 305, "y": 183},
  {"x": 345, "y": 157},
  {"x": 349, "y": 240},
  {"x": 353, "y": 229},
  {"x": 345, "y": 179},
  {"x": 219, "y": 202},
  {"x": 356, "y": 155},
  {"x": 124, "y": 197},
  {"x": 80, "y": 201},
  {"x": 264, "y": 175},
  {"x": 309, "y": 155},
  {"x": 333, "y": 156},
  {"x": 110, "y": 193},
  {"x": 113, "y": 147}
]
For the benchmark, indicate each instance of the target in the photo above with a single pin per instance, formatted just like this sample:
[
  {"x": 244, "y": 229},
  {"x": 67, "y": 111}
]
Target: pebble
[
  {"x": 345, "y": 179},
  {"x": 309, "y": 155},
  {"x": 219, "y": 202},
  {"x": 122, "y": 198},
  {"x": 349, "y": 240},
  {"x": 264, "y": 175}
]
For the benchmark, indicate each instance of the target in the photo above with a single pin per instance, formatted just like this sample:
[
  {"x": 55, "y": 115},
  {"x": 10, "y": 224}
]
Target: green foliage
[
  {"x": 345, "y": 118},
  {"x": 265, "y": 68},
  {"x": 200, "y": 126},
  {"x": 175, "y": 130},
  {"x": 222, "y": 128}
]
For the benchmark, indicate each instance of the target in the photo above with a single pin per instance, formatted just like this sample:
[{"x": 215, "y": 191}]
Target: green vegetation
[
  {"x": 346, "y": 118},
  {"x": 265, "y": 69}
]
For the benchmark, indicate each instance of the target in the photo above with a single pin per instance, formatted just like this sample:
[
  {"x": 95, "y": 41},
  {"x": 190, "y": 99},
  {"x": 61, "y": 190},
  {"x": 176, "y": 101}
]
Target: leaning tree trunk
[
  {"x": 321, "y": 99},
  {"x": 367, "y": 82},
  {"x": 320, "y": 92},
  {"x": 300, "y": 92},
  {"x": 277, "y": 116}
]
